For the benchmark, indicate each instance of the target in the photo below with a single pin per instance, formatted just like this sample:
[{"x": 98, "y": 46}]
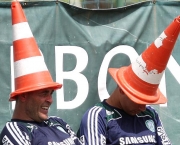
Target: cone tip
[
  {"x": 178, "y": 18},
  {"x": 14, "y": 1}
]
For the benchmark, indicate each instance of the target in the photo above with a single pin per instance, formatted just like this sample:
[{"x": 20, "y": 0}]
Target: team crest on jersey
[
  {"x": 109, "y": 112},
  {"x": 31, "y": 127},
  {"x": 150, "y": 125},
  {"x": 61, "y": 129}
]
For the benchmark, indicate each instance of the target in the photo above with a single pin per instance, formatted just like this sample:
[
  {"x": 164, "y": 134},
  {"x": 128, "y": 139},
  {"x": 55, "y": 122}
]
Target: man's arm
[
  {"x": 162, "y": 138},
  {"x": 92, "y": 129},
  {"x": 12, "y": 134},
  {"x": 161, "y": 133}
]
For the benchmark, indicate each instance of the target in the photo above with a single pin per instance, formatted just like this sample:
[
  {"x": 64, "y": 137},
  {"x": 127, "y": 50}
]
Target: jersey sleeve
[
  {"x": 13, "y": 134},
  {"x": 162, "y": 138},
  {"x": 92, "y": 130}
]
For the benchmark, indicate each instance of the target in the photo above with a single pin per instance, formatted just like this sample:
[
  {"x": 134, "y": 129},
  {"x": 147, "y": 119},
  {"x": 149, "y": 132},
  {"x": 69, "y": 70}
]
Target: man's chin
[
  {"x": 43, "y": 117},
  {"x": 132, "y": 113}
]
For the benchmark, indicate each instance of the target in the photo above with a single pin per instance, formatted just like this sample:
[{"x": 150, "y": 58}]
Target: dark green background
[{"x": 58, "y": 24}]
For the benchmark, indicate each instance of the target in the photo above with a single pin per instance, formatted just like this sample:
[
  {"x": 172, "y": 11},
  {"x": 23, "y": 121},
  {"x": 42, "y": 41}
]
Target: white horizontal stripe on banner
[
  {"x": 21, "y": 30},
  {"x": 150, "y": 76},
  {"x": 29, "y": 65}
]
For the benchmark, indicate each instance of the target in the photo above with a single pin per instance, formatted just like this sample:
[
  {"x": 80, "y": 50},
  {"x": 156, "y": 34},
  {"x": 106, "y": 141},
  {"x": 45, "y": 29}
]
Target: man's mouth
[{"x": 45, "y": 108}]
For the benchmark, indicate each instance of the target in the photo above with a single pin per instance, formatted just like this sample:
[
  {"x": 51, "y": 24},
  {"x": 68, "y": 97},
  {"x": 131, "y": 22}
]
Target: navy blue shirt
[
  {"x": 106, "y": 125},
  {"x": 54, "y": 131}
]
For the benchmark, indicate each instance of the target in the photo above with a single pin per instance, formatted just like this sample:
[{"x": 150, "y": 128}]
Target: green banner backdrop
[{"x": 79, "y": 45}]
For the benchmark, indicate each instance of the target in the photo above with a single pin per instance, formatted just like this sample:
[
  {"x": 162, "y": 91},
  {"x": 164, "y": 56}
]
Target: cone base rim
[
  {"x": 130, "y": 92},
  {"x": 55, "y": 86}
]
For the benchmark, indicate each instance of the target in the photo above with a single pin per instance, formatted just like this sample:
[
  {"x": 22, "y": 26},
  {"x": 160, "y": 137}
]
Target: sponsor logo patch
[
  {"x": 6, "y": 141},
  {"x": 150, "y": 125}
]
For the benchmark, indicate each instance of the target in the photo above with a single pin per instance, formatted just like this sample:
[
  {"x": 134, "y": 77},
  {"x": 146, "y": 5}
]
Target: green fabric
[{"x": 97, "y": 32}]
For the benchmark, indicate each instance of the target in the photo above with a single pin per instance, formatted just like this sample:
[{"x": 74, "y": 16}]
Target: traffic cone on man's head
[
  {"x": 141, "y": 79},
  {"x": 30, "y": 70}
]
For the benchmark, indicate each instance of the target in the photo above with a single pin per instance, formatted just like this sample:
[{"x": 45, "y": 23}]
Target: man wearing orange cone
[
  {"x": 34, "y": 86},
  {"x": 124, "y": 118}
]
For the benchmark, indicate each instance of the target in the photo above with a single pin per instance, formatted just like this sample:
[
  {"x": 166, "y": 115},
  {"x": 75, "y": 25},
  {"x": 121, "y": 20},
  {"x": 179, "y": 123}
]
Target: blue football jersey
[
  {"x": 53, "y": 131},
  {"x": 107, "y": 125}
]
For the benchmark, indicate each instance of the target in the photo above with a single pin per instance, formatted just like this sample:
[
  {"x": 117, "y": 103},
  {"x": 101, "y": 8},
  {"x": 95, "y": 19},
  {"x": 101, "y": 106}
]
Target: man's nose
[{"x": 49, "y": 98}]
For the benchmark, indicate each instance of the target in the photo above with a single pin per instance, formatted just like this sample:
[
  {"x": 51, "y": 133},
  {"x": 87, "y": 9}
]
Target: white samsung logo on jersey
[
  {"x": 6, "y": 141},
  {"x": 137, "y": 140}
]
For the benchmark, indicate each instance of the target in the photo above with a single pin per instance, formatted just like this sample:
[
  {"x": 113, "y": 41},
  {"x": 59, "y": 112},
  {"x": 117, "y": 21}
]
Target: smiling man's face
[{"x": 38, "y": 103}]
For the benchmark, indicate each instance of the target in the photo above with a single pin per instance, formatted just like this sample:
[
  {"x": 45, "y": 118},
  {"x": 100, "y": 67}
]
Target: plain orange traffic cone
[
  {"x": 30, "y": 70},
  {"x": 141, "y": 79}
]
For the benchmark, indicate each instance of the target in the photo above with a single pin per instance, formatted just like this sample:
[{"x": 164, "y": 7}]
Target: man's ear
[
  {"x": 121, "y": 91},
  {"x": 22, "y": 97}
]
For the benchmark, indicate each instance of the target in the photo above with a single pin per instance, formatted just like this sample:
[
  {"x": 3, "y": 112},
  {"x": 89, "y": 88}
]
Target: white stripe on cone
[
  {"x": 29, "y": 65},
  {"x": 21, "y": 30},
  {"x": 158, "y": 42},
  {"x": 151, "y": 77}
]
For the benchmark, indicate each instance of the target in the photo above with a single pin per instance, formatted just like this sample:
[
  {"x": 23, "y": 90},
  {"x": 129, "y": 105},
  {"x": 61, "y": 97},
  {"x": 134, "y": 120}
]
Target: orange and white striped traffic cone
[
  {"x": 30, "y": 70},
  {"x": 141, "y": 79}
]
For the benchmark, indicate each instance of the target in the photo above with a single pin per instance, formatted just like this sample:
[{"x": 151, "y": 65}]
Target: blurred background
[{"x": 98, "y": 4}]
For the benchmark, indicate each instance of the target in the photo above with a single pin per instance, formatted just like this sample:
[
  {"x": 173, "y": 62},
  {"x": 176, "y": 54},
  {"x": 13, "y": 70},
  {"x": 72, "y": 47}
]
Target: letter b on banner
[{"x": 81, "y": 80}]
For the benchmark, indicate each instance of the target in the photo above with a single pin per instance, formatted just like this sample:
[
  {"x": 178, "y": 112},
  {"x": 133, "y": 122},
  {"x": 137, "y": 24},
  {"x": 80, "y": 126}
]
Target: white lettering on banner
[
  {"x": 12, "y": 74},
  {"x": 81, "y": 80}
]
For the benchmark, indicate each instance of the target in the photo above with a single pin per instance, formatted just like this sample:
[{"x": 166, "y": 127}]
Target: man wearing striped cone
[
  {"x": 30, "y": 123},
  {"x": 124, "y": 118}
]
